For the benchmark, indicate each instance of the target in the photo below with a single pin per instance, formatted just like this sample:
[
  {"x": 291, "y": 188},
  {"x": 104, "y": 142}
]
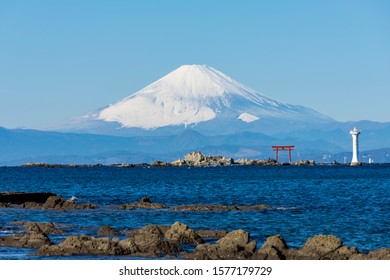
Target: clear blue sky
[{"x": 59, "y": 59}]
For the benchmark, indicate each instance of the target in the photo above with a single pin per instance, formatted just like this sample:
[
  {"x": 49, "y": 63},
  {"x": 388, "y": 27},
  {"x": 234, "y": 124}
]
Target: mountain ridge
[{"x": 20, "y": 146}]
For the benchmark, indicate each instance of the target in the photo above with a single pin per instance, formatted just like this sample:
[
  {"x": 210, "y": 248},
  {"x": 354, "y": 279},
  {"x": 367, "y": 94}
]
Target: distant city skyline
[{"x": 63, "y": 59}]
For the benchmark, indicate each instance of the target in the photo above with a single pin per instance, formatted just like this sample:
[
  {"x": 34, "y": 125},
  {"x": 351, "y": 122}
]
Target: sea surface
[{"x": 352, "y": 203}]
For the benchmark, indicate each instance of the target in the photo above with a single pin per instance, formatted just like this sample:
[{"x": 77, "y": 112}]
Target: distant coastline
[{"x": 193, "y": 159}]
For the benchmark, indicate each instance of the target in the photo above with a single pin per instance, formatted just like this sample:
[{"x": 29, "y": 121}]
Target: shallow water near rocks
[{"x": 352, "y": 203}]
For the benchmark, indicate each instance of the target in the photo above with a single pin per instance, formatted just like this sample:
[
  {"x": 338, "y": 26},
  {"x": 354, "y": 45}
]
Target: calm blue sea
[{"x": 352, "y": 203}]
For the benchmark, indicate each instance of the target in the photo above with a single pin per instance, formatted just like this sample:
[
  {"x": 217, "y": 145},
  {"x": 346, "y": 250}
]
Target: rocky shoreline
[
  {"x": 51, "y": 201},
  {"x": 181, "y": 242},
  {"x": 193, "y": 159},
  {"x": 165, "y": 241}
]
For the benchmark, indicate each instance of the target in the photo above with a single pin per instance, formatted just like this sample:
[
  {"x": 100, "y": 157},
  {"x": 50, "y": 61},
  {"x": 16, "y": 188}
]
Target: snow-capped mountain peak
[
  {"x": 190, "y": 94},
  {"x": 197, "y": 97}
]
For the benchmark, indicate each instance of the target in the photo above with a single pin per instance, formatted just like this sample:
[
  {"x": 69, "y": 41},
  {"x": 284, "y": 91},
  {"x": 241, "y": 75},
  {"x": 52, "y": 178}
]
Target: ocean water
[{"x": 352, "y": 203}]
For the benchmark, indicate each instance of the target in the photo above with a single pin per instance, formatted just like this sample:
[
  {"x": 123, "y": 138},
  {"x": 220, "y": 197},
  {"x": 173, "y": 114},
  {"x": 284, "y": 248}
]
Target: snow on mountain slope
[
  {"x": 245, "y": 117},
  {"x": 197, "y": 97},
  {"x": 194, "y": 94}
]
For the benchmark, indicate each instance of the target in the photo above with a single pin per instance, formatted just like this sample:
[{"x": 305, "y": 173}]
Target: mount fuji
[
  {"x": 195, "y": 97},
  {"x": 195, "y": 107}
]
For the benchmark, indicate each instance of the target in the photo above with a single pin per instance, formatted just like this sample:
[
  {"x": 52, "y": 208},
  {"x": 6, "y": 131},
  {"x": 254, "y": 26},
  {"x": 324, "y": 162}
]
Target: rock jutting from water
[
  {"x": 199, "y": 159},
  {"x": 44, "y": 200},
  {"x": 23, "y": 197},
  {"x": 146, "y": 203},
  {"x": 35, "y": 236},
  {"x": 107, "y": 231}
]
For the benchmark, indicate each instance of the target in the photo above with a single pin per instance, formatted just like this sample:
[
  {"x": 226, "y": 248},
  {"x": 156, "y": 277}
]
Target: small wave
[
  {"x": 286, "y": 208},
  {"x": 8, "y": 231}
]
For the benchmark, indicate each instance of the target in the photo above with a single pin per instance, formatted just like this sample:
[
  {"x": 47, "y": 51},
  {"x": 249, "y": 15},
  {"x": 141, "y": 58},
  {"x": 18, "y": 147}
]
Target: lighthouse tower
[{"x": 355, "y": 146}]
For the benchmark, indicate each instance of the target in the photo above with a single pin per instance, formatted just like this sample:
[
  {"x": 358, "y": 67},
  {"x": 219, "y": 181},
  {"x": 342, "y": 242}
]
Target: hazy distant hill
[{"x": 20, "y": 146}]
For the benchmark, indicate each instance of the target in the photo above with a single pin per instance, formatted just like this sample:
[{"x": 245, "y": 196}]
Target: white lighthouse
[{"x": 355, "y": 146}]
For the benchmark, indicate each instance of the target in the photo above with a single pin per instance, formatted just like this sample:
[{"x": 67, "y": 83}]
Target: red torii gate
[{"x": 283, "y": 148}]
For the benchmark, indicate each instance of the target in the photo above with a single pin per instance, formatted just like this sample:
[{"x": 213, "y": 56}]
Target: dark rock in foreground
[
  {"x": 381, "y": 254},
  {"x": 83, "y": 245},
  {"x": 324, "y": 247},
  {"x": 34, "y": 237},
  {"x": 234, "y": 245},
  {"x": 273, "y": 249},
  {"x": 148, "y": 241},
  {"x": 181, "y": 233},
  {"x": 44, "y": 200},
  {"x": 23, "y": 197},
  {"x": 29, "y": 240},
  {"x": 319, "y": 247}
]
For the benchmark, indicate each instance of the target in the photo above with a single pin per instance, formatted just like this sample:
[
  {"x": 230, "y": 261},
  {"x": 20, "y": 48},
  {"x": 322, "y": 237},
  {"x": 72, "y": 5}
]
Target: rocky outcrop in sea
[
  {"x": 146, "y": 203},
  {"x": 199, "y": 159},
  {"x": 192, "y": 159},
  {"x": 35, "y": 236}
]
